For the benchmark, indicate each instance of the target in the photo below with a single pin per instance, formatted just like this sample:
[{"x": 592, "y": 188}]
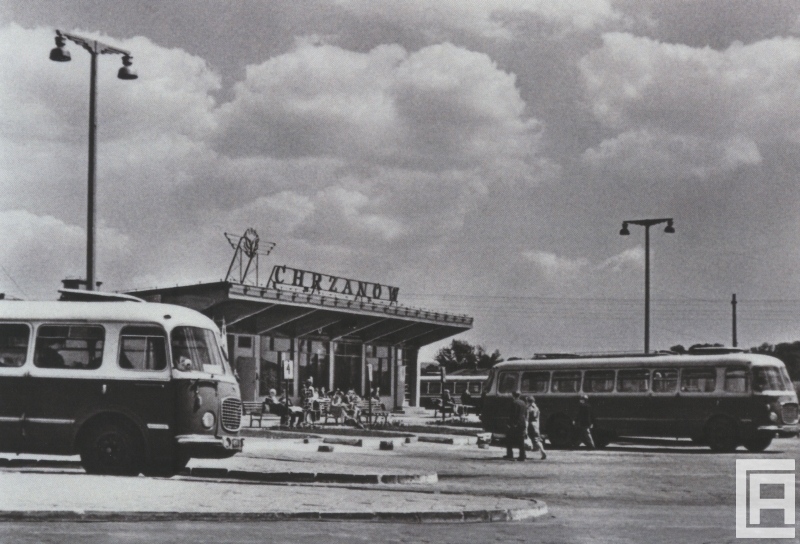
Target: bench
[
  {"x": 336, "y": 412},
  {"x": 256, "y": 411},
  {"x": 377, "y": 412},
  {"x": 455, "y": 408}
]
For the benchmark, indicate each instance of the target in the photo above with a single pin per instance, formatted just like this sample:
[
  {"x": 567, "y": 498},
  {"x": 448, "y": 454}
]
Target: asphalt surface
[{"x": 642, "y": 491}]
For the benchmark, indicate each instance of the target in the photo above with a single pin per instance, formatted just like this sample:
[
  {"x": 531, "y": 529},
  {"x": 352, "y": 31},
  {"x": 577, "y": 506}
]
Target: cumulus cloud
[
  {"x": 440, "y": 107},
  {"x": 39, "y": 251},
  {"x": 657, "y": 154},
  {"x": 554, "y": 266},
  {"x": 691, "y": 111},
  {"x": 488, "y": 18},
  {"x": 631, "y": 258},
  {"x": 563, "y": 270}
]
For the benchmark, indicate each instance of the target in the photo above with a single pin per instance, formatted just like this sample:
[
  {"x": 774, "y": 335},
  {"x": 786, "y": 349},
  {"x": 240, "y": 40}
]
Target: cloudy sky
[{"x": 479, "y": 154}]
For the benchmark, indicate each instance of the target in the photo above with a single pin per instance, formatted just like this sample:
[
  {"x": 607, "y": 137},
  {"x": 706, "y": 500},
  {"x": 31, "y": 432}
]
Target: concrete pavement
[{"x": 255, "y": 485}]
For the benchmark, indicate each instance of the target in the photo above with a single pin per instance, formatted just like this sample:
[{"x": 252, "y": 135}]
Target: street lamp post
[
  {"x": 60, "y": 54},
  {"x": 647, "y": 223}
]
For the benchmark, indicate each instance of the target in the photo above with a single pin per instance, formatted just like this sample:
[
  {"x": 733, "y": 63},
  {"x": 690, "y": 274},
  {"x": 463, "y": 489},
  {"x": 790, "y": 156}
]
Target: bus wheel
[
  {"x": 758, "y": 443},
  {"x": 561, "y": 433},
  {"x": 721, "y": 435},
  {"x": 111, "y": 449}
]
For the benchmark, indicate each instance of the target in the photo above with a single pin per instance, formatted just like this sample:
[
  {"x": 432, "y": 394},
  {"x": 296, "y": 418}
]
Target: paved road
[{"x": 656, "y": 491}]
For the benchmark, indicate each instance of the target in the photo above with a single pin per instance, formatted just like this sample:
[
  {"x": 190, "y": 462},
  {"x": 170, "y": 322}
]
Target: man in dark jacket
[
  {"x": 517, "y": 425},
  {"x": 584, "y": 422}
]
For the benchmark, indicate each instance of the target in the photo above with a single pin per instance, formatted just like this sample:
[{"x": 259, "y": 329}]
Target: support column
[{"x": 331, "y": 359}]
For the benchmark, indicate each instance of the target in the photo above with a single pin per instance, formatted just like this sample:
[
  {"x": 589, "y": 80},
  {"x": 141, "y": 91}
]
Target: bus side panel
[
  {"x": 13, "y": 395},
  {"x": 54, "y": 406},
  {"x": 495, "y": 413},
  {"x": 623, "y": 414}
]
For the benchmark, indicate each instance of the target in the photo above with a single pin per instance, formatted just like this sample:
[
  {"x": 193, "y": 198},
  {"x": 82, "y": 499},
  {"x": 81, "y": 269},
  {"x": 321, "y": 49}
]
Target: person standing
[
  {"x": 533, "y": 425},
  {"x": 584, "y": 422},
  {"x": 517, "y": 424}
]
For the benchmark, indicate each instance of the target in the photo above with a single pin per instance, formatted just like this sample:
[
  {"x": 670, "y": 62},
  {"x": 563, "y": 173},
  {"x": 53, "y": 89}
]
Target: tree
[{"x": 460, "y": 354}]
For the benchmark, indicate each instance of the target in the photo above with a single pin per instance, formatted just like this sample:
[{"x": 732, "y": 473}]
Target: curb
[
  {"x": 264, "y": 477},
  {"x": 311, "y": 477},
  {"x": 534, "y": 510}
]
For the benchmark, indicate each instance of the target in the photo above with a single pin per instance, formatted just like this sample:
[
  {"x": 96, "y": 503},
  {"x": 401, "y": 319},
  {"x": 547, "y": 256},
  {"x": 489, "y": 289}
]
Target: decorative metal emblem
[{"x": 246, "y": 246}]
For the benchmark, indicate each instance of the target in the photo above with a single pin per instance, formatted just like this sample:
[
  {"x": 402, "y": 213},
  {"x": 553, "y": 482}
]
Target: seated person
[
  {"x": 448, "y": 404},
  {"x": 284, "y": 409},
  {"x": 376, "y": 400},
  {"x": 352, "y": 411},
  {"x": 310, "y": 399},
  {"x": 337, "y": 405}
]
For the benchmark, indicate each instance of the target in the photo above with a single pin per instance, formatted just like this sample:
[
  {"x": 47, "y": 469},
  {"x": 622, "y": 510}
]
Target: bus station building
[{"x": 324, "y": 328}]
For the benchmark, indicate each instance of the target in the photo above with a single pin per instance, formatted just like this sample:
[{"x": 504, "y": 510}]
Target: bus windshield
[
  {"x": 196, "y": 349},
  {"x": 768, "y": 378}
]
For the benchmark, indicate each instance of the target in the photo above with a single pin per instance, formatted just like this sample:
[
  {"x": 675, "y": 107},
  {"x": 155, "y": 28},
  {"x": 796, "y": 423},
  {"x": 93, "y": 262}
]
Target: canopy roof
[{"x": 248, "y": 309}]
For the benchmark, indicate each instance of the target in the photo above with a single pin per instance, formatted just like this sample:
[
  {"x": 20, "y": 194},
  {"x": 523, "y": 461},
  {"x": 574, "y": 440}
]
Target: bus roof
[
  {"x": 747, "y": 359},
  {"x": 167, "y": 315}
]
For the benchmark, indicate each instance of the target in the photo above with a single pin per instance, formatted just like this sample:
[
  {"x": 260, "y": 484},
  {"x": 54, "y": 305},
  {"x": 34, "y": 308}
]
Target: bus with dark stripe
[
  {"x": 722, "y": 401},
  {"x": 129, "y": 386}
]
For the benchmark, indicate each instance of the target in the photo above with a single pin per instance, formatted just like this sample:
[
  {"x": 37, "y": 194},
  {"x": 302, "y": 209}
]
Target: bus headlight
[
  {"x": 773, "y": 417},
  {"x": 208, "y": 420}
]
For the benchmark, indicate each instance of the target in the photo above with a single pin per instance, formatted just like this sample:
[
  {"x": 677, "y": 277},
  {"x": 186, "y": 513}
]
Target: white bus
[{"x": 130, "y": 386}]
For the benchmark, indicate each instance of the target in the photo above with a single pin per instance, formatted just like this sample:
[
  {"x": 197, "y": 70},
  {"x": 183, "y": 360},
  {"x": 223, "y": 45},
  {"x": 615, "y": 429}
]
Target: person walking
[
  {"x": 517, "y": 424},
  {"x": 533, "y": 425},
  {"x": 584, "y": 422}
]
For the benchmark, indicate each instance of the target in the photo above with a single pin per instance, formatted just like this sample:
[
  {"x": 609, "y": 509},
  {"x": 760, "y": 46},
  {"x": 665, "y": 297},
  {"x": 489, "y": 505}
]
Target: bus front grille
[
  {"x": 789, "y": 414},
  {"x": 231, "y": 414}
]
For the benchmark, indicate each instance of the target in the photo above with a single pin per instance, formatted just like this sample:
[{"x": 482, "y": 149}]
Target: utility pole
[{"x": 733, "y": 309}]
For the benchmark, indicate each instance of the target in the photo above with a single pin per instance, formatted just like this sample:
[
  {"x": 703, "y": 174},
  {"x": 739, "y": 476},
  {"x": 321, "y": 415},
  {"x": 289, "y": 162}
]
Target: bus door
[
  {"x": 14, "y": 344},
  {"x": 661, "y": 408},
  {"x": 146, "y": 389},
  {"x": 695, "y": 399},
  {"x": 63, "y": 385},
  {"x": 734, "y": 398}
]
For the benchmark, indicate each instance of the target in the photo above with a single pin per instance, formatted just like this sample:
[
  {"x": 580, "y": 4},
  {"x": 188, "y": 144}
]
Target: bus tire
[
  {"x": 722, "y": 435},
  {"x": 110, "y": 448},
  {"x": 561, "y": 433},
  {"x": 758, "y": 443}
]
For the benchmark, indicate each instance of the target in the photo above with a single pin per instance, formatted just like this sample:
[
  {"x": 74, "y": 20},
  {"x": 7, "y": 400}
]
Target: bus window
[
  {"x": 633, "y": 381},
  {"x": 507, "y": 383},
  {"x": 566, "y": 381},
  {"x": 736, "y": 380},
  {"x": 13, "y": 344},
  {"x": 434, "y": 388},
  {"x": 196, "y": 349},
  {"x": 475, "y": 388},
  {"x": 598, "y": 381},
  {"x": 769, "y": 378},
  {"x": 461, "y": 387},
  {"x": 665, "y": 380},
  {"x": 143, "y": 348},
  {"x": 69, "y": 346},
  {"x": 698, "y": 380},
  {"x": 535, "y": 382}
]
